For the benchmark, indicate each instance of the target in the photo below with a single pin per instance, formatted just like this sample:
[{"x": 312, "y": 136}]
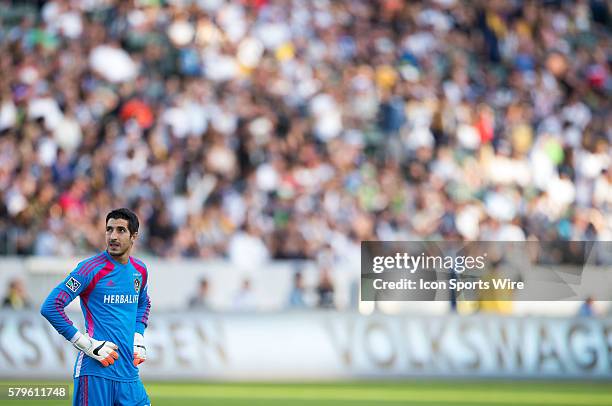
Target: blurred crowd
[{"x": 260, "y": 129}]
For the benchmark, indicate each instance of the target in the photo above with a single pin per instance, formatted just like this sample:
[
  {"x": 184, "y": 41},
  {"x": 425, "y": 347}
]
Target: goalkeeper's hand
[
  {"x": 103, "y": 351},
  {"x": 140, "y": 351}
]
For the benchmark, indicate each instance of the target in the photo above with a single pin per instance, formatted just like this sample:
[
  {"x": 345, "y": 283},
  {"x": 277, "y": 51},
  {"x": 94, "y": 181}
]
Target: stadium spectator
[
  {"x": 246, "y": 248},
  {"x": 245, "y": 300},
  {"x": 325, "y": 290},
  {"x": 587, "y": 309},
  {"x": 16, "y": 297},
  {"x": 201, "y": 300},
  {"x": 280, "y": 129},
  {"x": 495, "y": 301},
  {"x": 296, "y": 296}
]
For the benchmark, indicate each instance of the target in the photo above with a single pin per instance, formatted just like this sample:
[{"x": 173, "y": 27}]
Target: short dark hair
[{"x": 125, "y": 214}]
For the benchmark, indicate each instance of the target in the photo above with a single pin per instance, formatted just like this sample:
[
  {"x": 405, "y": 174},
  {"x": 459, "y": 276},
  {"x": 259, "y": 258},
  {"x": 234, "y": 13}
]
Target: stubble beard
[{"x": 117, "y": 254}]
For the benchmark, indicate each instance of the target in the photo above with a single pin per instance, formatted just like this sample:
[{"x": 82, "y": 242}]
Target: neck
[{"x": 122, "y": 259}]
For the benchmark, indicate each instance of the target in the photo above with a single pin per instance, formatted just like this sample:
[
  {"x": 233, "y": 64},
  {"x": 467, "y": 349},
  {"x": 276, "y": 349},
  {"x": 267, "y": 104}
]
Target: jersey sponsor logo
[
  {"x": 137, "y": 285},
  {"x": 73, "y": 284},
  {"x": 120, "y": 299}
]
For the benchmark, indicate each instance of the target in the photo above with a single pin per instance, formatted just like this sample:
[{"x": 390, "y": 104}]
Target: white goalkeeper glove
[
  {"x": 140, "y": 351},
  {"x": 103, "y": 351}
]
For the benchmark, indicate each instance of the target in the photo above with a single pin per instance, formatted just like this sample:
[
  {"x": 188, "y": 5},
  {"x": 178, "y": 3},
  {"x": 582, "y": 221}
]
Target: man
[
  {"x": 587, "y": 308},
  {"x": 200, "y": 301},
  {"x": 16, "y": 297},
  {"x": 113, "y": 290},
  {"x": 296, "y": 297}
]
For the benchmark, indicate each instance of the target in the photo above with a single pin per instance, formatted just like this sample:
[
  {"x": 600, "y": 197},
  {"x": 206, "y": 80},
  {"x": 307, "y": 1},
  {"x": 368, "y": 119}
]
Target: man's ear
[{"x": 134, "y": 236}]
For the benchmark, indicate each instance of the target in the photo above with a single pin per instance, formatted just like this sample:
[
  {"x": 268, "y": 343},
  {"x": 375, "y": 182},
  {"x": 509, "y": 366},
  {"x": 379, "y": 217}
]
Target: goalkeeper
[{"x": 113, "y": 290}]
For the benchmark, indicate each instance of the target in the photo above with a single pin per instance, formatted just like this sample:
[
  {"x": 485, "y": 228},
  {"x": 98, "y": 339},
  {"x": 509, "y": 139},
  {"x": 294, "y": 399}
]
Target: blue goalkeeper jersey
[{"x": 115, "y": 305}]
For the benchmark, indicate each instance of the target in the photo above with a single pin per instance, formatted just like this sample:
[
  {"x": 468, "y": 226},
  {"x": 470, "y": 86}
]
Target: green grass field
[{"x": 385, "y": 393}]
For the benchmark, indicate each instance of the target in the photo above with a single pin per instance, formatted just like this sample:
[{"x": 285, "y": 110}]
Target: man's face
[{"x": 118, "y": 238}]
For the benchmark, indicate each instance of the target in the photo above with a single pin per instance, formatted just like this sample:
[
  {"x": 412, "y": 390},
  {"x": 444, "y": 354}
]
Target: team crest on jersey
[
  {"x": 137, "y": 285},
  {"x": 73, "y": 284}
]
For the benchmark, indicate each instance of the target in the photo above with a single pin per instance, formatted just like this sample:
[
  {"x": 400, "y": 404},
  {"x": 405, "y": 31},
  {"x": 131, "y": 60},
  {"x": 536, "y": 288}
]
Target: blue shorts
[{"x": 92, "y": 390}]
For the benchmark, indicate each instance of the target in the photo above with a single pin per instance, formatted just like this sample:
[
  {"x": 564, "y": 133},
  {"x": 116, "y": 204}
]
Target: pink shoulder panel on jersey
[
  {"x": 91, "y": 264},
  {"x": 108, "y": 267},
  {"x": 140, "y": 267}
]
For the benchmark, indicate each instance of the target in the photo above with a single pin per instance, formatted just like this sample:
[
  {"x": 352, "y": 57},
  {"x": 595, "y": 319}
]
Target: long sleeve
[
  {"x": 144, "y": 307},
  {"x": 53, "y": 310},
  {"x": 144, "y": 301},
  {"x": 76, "y": 282}
]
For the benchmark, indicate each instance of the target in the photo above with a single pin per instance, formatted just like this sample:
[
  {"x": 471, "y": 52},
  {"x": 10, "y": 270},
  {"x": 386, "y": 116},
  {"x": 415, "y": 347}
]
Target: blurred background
[{"x": 260, "y": 141}]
